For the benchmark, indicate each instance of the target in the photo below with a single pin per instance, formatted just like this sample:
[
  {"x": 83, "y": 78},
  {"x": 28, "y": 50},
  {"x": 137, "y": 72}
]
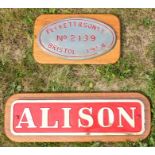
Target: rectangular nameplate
[
  {"x": 77, "y": 39},
  {"x": 77, "y": 117}
]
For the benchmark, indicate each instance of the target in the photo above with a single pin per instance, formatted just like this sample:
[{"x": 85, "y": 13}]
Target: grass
[
  {"x": 135, "y": 70},
  {"x": 123, "y": 69}
]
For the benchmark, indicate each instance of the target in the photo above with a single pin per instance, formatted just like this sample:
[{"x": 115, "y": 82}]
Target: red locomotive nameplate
[{"x": 77, "y": 117}]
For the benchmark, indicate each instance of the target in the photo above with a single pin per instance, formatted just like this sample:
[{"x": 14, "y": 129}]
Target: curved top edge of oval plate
[{"x": 78, "y": 18}]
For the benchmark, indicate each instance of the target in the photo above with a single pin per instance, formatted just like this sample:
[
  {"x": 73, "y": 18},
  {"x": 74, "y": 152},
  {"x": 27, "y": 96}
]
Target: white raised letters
[{"x": 29, "y": 119}]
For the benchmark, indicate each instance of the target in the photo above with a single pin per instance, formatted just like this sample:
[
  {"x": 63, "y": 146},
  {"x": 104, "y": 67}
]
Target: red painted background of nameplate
[{"x": 57, "y": 114}]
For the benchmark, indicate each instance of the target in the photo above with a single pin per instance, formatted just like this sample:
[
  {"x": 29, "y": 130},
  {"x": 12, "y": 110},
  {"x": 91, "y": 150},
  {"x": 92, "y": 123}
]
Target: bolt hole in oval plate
[
  {"x": 77, "y": 39},
  {"x": 73, "y": 117}
]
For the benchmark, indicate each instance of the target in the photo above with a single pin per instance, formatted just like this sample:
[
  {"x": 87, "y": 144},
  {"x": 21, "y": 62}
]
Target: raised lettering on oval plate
[{"x": 77, "y": 38}]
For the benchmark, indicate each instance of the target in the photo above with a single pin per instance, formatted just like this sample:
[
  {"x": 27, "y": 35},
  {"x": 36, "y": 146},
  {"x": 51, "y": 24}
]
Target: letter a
[{"x": 29, "y": 119}]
